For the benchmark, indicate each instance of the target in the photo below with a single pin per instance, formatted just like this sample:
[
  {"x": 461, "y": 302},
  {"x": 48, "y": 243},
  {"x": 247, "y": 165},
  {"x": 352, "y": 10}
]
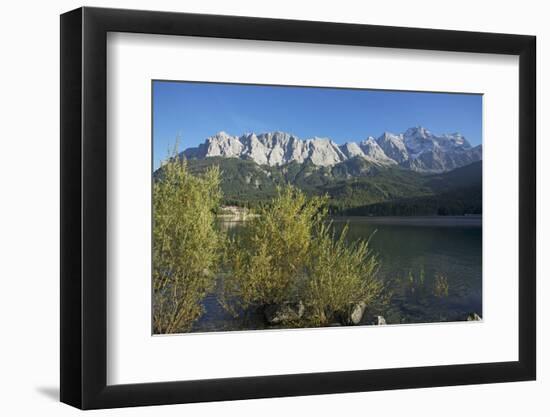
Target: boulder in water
[
  {"x": 354, "y": 315},
  {"x": 473, "y": 317}
]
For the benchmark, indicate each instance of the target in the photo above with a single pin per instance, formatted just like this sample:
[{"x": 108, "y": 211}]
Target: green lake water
[{"x": 412, "y": 252}]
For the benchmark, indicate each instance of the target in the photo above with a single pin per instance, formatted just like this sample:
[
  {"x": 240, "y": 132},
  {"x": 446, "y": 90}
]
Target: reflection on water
[{"x": 412, "y": 252}]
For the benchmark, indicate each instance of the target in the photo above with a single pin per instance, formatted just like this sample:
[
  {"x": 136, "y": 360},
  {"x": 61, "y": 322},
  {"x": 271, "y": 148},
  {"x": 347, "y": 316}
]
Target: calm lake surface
[{"x": 412, "y": 251}]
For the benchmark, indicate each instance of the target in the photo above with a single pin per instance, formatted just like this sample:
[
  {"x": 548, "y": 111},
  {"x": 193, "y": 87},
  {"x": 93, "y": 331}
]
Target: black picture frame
[{"x": 84, "y": 207}]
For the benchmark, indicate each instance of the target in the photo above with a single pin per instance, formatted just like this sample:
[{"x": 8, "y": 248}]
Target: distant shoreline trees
[{"x": 374, "y": 192}]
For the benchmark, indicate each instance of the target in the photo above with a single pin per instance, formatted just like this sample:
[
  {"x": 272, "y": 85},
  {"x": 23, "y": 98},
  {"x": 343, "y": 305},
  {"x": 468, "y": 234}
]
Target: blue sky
[{"x": 194, "y": 111}]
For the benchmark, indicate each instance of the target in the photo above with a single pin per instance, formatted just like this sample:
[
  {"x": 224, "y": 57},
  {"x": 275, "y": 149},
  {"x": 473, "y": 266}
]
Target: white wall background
[{"x": 29, "y": 210}]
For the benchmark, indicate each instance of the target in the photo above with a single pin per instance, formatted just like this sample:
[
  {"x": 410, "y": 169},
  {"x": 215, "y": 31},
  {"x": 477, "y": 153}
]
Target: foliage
[
  {"x": 341, "y": 275},
  {"x": 441, "y": 286},
  {"x": 290, "y": 253},
  {"x": 186, "y": 244},
  {"x": 268, "y": 260},
  {"x": 354, "y": 187},
  {"x": 417, "y": 285}
]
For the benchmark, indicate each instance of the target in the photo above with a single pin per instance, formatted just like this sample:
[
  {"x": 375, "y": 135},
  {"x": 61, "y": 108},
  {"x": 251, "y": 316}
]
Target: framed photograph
[{"x": 256, "y": 208}]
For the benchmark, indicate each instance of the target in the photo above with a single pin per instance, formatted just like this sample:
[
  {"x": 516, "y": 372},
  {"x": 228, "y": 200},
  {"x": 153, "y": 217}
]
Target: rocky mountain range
[{"x": 416, "y": 149}]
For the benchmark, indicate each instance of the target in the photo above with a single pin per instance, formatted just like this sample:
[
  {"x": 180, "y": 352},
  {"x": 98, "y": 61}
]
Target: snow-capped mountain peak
[{"x": 417, "y": 149}]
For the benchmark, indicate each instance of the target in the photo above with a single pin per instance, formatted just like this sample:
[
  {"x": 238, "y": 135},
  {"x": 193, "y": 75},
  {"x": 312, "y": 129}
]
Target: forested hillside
[{"x": 355, "y": 186}]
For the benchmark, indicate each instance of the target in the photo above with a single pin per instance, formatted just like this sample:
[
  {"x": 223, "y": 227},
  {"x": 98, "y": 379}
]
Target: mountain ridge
[{"x": 416, "y": 149}]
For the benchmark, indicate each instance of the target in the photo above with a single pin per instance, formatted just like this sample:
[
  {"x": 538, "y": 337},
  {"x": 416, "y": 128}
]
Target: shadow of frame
[{"x": 50, "y": 392}]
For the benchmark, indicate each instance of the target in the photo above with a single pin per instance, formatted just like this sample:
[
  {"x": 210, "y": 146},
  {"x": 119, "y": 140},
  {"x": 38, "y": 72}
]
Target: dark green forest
[{"x": 355, "y": 187}]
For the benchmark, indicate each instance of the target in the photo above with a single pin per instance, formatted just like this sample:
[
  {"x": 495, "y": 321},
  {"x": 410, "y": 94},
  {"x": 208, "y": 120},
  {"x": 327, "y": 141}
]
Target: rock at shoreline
[
  {"x": 354, "y": 315},
  {"x": 473, "y": 317},
  {"x": 284, "y": 313},
  {"x": 377, "y": 321}
]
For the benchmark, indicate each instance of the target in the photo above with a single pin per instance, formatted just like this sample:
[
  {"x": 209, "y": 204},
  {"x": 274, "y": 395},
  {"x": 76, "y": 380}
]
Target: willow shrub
[
  {"x": 186, "y": 244},
  {"x": 341, "y": 275},
  {"x": 269, "y": 258},
  {"x": 289, "y": 253}
]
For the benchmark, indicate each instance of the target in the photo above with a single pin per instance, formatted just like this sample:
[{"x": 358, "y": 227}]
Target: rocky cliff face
[
  {"x": 394, "y": 147},
  {"x": 417, "y": 149}
]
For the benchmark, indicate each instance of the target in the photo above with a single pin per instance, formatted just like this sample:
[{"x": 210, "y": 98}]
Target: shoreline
[
  {"x": 458, "y": 221},
  {"x": 444, "y": 221}
]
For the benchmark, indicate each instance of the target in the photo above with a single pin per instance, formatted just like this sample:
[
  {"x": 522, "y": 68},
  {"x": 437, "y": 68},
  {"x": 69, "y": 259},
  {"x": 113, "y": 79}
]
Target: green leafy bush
[
  {"x": 289, "y": 253},
  {"x": 340, "y": 276},
  {"x": 186, "y": 244},
  {"x": 269, "y": 259}
]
